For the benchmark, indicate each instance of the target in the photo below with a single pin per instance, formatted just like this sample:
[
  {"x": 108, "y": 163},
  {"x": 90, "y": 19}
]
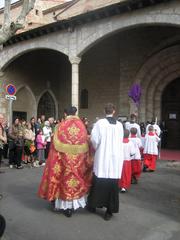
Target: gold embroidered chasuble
[{"x": 67, "y": 173}]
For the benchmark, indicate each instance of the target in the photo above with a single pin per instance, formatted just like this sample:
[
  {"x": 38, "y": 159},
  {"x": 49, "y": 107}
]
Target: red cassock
[
  {"x": 125, "y": 181},
  {"x": 150, "y": 161},
  {"x": 68, "y": 170},
  {"x": 136, "y": 168}
]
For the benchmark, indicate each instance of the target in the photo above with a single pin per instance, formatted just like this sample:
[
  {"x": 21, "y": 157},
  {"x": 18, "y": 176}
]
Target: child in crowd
[
  {"x": 136, "y": 160},
  {"x": 150, "y": 150},
  {"x": 129, "y": 151},
  {"x": 40, "y": 143}
]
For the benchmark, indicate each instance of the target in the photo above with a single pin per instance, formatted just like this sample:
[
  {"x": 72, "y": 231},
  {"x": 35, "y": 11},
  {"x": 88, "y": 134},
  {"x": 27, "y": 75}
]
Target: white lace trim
[{"x": 77, "y": 203}]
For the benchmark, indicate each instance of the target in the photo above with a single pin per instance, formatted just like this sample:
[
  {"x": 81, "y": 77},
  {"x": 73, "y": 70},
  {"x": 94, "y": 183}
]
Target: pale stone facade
[{"x": 111, "y": 54}]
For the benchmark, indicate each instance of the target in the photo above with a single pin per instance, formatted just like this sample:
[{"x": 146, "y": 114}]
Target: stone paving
[{"x": 149, "y": 211}]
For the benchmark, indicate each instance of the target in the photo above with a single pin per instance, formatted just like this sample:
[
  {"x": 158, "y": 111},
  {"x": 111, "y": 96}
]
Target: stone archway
[
  {"x": 92, "y": 34},
  {"x": 154, "y": 76},
  {"x": 25, "y": 104},
  {"x": 42, "y": 70},
  {"x": 13, "y": 52},
  {"x": 84, "y": 37}
]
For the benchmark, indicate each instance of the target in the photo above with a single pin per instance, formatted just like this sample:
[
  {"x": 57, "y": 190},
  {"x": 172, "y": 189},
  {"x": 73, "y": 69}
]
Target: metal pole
[{"x": 10, "y": 111}]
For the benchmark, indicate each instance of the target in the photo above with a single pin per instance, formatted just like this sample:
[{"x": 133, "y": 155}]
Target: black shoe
[
  {"x": 145, "y": 168},
  {"x": 68, "y": 212},
  {"x": 149, "y": 170},
  {"x": 55, "y": 210},
  {"x": 91, "y": 209},
  {"x": 134, "y": 181},
  {"x": 107, "y": 216}
]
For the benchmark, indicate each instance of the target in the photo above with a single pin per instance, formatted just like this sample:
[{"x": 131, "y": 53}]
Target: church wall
[
  {"x": 41, "y": 71},
  {"x": 136, "y": 47},
  {"x": 64, "y": 93},
  {"x": 109, "y": 69},
  {"x": 99, "y": 74}
]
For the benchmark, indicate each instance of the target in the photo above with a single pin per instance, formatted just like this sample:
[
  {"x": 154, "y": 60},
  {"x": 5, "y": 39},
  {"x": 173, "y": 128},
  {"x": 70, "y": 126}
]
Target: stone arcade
[{"x": 95, "y": 57}]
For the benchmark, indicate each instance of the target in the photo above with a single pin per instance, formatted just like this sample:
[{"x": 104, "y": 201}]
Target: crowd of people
[
  {"x": 26, "y": 142},
  {"x": 83, "y": 166}
]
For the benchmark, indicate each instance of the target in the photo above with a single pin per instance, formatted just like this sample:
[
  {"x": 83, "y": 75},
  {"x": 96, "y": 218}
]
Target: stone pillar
[
  {"x": 75, "y": 81},
  {"x": 3, "y": 101}
]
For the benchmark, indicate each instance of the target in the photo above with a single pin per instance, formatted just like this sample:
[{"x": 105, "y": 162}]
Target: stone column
[
  {"x": 75, "y": 81},
  {"x": 3, "y": 101}
]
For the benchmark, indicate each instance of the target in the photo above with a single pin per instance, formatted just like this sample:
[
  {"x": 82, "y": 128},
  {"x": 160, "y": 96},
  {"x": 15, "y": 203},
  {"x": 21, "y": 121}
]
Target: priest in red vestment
[{"x": 67, "y": 174}]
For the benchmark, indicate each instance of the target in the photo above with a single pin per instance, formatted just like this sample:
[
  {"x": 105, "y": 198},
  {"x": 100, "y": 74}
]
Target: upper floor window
[{"x": 84, "y": 98}]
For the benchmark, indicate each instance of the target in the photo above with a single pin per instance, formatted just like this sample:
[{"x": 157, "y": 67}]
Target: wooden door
[
  {"x": 171, "y": 114},
  {"x": 172, "y": 121}
]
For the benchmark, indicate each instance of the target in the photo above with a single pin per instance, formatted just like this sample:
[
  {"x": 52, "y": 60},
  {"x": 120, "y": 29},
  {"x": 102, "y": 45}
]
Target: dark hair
[
  {"x": 126, "y": 133},
  {"x": 132, "y": 118},
  {"x": 150, "y": 128},
  {"x": 109, "y": 108},
  {"x": 32, "y": 119},
  {"x": 16, "y": 118},
  {"x": 70, "y": 110},
  {"x": 133, "y": 130},
  {"x": 39, "y": 130}
]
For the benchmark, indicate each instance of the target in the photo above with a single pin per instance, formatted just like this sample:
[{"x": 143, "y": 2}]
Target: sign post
[{"x": 11, "y": 91}]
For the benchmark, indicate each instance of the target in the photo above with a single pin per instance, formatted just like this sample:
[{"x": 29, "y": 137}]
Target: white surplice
[
  {"x": 151, "y": 144},
  {"x": 129, "y": 151},
  {"x": 130, "y": 125},
  {"x": 107, "y": 140},
  {"x": 137, "y": 145},
  {"x": 156, "y": 128}
]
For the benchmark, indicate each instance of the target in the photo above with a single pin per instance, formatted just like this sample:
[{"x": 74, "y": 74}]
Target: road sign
[
  {"x": 11, "y": 89},
  {"x": 9, "y": 97}
]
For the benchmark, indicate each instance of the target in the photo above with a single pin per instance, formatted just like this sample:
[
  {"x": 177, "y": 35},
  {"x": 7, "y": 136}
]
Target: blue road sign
[{"x": 11, "y": 89}]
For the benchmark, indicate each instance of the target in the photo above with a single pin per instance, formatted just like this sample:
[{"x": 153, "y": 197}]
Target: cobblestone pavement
[{"x": 149, "y": 211}]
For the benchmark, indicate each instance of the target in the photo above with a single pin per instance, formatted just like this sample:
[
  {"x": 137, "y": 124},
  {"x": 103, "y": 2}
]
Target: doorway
[
  {"x": 20, "y": 115},
  {"x": 46, "y": 106},
  {"x": 171, "y": 115}
]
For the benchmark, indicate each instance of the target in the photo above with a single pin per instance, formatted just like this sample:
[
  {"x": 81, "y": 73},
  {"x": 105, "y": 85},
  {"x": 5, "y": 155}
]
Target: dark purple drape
[{"x": 135, "y": 93}]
